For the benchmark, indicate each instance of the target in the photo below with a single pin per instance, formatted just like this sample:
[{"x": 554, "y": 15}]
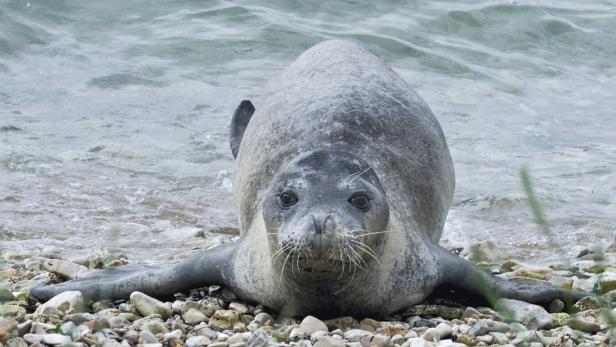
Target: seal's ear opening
[{"x": 239, "y": 122}]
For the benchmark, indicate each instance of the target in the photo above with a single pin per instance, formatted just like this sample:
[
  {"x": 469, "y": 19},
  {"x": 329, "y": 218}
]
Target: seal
[{"x": 343, "y": 183}]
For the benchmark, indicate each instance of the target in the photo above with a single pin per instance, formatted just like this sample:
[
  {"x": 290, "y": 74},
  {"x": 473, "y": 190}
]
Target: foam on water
[{"x": 114, "y": 115}]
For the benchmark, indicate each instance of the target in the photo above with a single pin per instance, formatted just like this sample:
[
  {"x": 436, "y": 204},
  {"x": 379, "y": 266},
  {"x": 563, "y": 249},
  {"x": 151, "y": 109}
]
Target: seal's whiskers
[{"x": 367, "y": 249}]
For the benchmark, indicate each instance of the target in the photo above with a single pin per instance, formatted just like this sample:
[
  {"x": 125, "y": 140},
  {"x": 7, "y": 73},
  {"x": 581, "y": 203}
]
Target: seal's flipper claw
[
  {"x": 239, "y": 122},
  {"x": 456, "y": 272}
]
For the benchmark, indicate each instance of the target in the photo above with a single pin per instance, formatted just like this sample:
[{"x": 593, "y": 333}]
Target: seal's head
[{"x": 326, "y": 214}]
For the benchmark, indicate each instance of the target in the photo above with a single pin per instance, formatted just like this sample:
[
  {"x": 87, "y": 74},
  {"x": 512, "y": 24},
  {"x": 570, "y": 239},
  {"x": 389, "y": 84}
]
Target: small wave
[
  {"x": 237, "y": 13},
  {"x": 121, "y": 80}
]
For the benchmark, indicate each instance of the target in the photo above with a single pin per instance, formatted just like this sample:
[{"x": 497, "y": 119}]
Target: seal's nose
[{"x": 321, "y": 222}]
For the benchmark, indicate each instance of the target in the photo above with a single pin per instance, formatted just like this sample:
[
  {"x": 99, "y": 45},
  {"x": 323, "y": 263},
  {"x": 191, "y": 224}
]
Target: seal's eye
[
  {"x": 287, "y": 199},
  {"x": 360, "y": 201}
]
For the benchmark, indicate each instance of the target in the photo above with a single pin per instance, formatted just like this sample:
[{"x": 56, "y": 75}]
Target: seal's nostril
[{"x": 317, "y": 224}]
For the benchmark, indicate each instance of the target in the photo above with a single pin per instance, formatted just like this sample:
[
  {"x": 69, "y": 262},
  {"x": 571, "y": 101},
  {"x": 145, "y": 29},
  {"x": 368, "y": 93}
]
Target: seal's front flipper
[
  {"x": 239, "y": 122},
  {"x": 459, "y": 273},
  {"x": 103, "y": 284},
  {"x": 119, "y": 282}
]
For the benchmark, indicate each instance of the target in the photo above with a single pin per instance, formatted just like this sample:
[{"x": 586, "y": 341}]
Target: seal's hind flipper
[
  {"x": 458, "y": 273},
  {"x": 210, "y": 267},
  {"x": 239, "y": 122}
]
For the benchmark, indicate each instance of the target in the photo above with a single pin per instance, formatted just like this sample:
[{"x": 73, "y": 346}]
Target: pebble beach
[{"x": 214, "y": 316}]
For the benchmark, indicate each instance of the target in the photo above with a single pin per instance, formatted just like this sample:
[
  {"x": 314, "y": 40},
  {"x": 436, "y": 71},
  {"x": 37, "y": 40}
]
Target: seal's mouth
[{"x": 335, "y": 261}]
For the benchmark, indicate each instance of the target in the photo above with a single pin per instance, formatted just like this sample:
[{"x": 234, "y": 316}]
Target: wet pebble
[
  {"x": 312, "y": 324},
  {"x": 583, "y": 325},
  {"x": 147, "y": 305},
  {"x": 224, "y": 319},
  {"x": 55, "y": 339},
  {"x": 197, "y": 341},
  {"x": 328, "y": 341},
  {"x": 533, "y": 316}
]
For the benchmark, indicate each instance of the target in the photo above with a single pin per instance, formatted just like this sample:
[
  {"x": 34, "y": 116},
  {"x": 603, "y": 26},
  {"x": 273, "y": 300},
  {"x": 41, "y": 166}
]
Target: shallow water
[{"x": 114, "y": 115}]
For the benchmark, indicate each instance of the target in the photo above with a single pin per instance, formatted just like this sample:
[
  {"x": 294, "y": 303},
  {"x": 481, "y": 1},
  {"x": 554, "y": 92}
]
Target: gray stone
[
  {"x": 431, "y": 335},
  {"x": 354, "y": 335},
  {"x": 607, "y": 281},
  {"x": 12, "y": 311},
  {"x": 127, "y": 308},
  {"x": 258, "y": 339},
  {"x": 24, "y": 328},
  {"x": 343, "y": 323},
  {"x": 224, "y": 319},
  {"x": 204, "y": 330},
  {"x": 55, "y": 339},
  {"x": 33, "y": 338},
  {"x": 16, "y": 342},
  {"x": 533, "y": 316},
  {"x": 193, "y": 316},
  {"x": 109, "y": 343},
  {"x": 207, "y": 310},
  {"x": 155, "y": 327},
  {"x": 263, "y": 318},
  {"x": 556, "y": 306},
  {"x": 483, "y": 326},
  {"x": 7, "y": 328},
  {"x": 499, "y": 338},
  {"x": 239, "y": 337},
  {"x": 147, "y": 305},
  {"x": 314, "y": 337},
  {"x": 147, "y": 336},
  {"x": 417, "y": 342},
  {"x": 583, "y": 325},
  {"x": 41, "y": 328},
  {"x": 66, "y": 303},
  {"x": 297, "y": 334},
  {"x": 328, "y": 341},
  {"x": 411, "y": 334},
  {"x": 79, "y": 318},
  {"x": 487, "y": 339},
  {"x": 79, "y": 331},
  {"x": 117, "y": 322},
  {"x": 312, "y": 324},
  {"x": 67, "y": 328},
  {"x": 517, "y": 327},
  {"x": 65, "y": 269},
  {"x": 174, "y": 335},
  {"x": 228, "y": 295},
  {"x": 369, "y": 324},
  {"x": 197, "y": 341},
  {"x": 6, "y": 294},
  {"x": 470, "y": 312},
  {"x": 241, "y": 308},
  {"x": 444, "y": 330},
  {"x": 131, "y": 336},
  {"x": 479, "y": 328},
  {"x": 378, "y": 340},
  {"x": 450, "y": 343},
  {"x": 397, "y": 339}
]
